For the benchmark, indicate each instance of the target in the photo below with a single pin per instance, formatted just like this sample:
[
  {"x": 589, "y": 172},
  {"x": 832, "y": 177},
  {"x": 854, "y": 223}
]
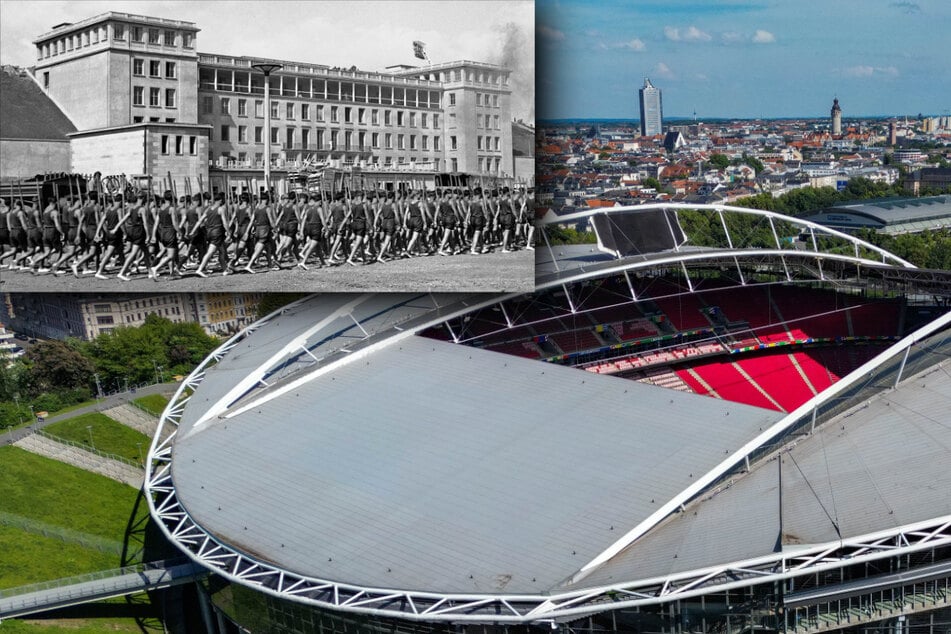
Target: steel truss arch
[
  {"x": 771, "y": 216},
  {"x": 240, "y": 567}
]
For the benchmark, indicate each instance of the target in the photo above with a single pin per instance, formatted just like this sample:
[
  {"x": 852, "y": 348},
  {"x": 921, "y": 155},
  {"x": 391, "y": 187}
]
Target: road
[
  {"x": 10, "y": 437},
  {"x": 496, "y": 272}
]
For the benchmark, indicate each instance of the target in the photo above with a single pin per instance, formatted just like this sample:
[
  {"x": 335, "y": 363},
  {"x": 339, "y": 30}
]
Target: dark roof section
[{"x": 26, "y": 112}]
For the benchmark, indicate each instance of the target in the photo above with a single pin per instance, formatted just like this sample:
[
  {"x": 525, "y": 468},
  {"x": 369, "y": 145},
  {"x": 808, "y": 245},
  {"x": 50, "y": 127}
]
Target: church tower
[{"x": 836, "y": 118}]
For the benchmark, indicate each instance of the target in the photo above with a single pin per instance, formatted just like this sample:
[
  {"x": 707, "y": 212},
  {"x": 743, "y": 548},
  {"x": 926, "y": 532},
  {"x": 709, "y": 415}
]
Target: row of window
[
  {"x": 99, "y": 33},
  {"x": 242, "y": 160},
  {"x": 155, "y": 68},
  {"x": 311, "y": 88},
  {"x": 178, "y": 144},
  {"x": 376, "y": 140},
  {"x": 152, "y": 35},
  {"x": 362, "y": 116},
  {"x": 155, "y": 97}
]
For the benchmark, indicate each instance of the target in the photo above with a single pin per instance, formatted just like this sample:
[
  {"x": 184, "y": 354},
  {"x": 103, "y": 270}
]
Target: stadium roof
[
  {"x": 366, "y": 475},
  {"x": 27, "y": 113},
  {"x": 893, "y": 215}
]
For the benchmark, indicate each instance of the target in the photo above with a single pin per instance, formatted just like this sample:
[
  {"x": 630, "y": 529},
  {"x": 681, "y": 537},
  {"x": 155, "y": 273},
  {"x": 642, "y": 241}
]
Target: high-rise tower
[
  {"x": 652, "y": 110},
  {"x": 836, "y": 117}
]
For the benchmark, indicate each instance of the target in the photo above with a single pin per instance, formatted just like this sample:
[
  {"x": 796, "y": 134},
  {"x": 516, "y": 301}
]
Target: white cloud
[
  {"x": 763, "y": 37},
  {"x": 869, "y": 71},
  {"x": 731, "y": 37},
  {"x": 635, "y": 45},
  {"x": 548, "y": 33},
  {"x": 690, "y": 34},
  {"x": 663, "y": 70}
]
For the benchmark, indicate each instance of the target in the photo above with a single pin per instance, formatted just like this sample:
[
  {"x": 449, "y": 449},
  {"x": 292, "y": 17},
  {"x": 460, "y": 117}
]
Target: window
[
  {"x": 242, "y": 107},
  {"x": 425, "y": 140},
  {"x": 348, "y": 115},
  {"x": 290, "y": 110},
  {"x": 258, "y": 108},
  {"x": 436, "y": 145},
  {"x": 242, "y": 157},
  {"x": 362, "y": 116},
  {"x": 154, "y": 119},
  {"x": 179, "y": 145},
  {"x": 138, "y": 119},
  {"x": 496, "y": 118},
  {"x": 193, "y": 145},
  {"x": 242, "y": 134},
  {"x": 164, "y": 144},
  {"x": 46, "y": 80},
  {"x": 225, "y": 105},
  {"x": 478, "y": 98},
  {"x": 137, "y": 34},
  {"x": 334, "y": 118},
  {"x": 138, "y": 67},
  {"x": 386, "y": 117},
  {"x": 320, "y": 139},
  {"x": 258, "y": 134},
  {"x": 154, "y": 96},
  {"x": 187, "y": 40},
  {"x": 375, "y": 140},
  {"x": 400, "y": 144},
  {"x": 495, "y": 101},
  {"x": 347, "y": 140},
  {"x": 305, "y": 138},
  {"x": 412, "y": 141},
  {"x": 412, "y": 119},
  {"x": 388, "y": 141},
  {"x": 305, "y": 111},
  {"x": 274, "y": 132},
  {"x": 169, "y": 119},
  {"x": 333, "y": 139},
  {"x": 207, "y": 104},
  {"x": 435, "y": 120},
  {"x": 452, "y": 99},
  {"x": 423, "y": 119},
  {"x": 138, "y": 96},
  {"x": 154, "y": 66},
  {"x": 153, "y": 36},
  {"x": 452, "y": 144},
  {"x": 496, "y": 144},
  {"x": 225, "y": 133},
  {"x": 290, "y": 138},
  {"x": 259, "y": 158},
  {"x": 399, "y": 117},
  {"x": 275, "y": 110},
  {"x": 170, "y": 70},
  {"x": 478, "y": 142},
  {"x": 452, "y": 120},
  {"x": 375, "y": 117},
  {"x": 118, "y": 32},
  {"x": 169, "y": 38},
  {"x": 169, "y": 97},
  {"x": 319, "y": 111},
  {"x": 488, "y": 122},
  {"x": 455, "y": 165}
]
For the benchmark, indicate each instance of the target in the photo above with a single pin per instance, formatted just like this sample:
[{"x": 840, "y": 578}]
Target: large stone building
[{"x": 145, "y": 101}]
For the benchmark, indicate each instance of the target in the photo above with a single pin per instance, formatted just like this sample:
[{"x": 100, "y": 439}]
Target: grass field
[
  {"x": 154, "y": 403},
  {"x": 31, "y": 558},
  {"x": 122, "y": 614},
  {"x": 107, "y": 435},
  {"x": 55, "y": 493}
]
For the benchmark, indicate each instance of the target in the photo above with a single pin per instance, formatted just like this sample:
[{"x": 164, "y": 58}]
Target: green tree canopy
[
  {"x": 719, "y": 161},
  {"x": 54, "y": 365}
]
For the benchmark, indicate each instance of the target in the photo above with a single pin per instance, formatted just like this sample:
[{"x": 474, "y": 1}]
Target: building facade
[
  {"x": 652, "y": 109},
  {"x": 141, "y": 83}
]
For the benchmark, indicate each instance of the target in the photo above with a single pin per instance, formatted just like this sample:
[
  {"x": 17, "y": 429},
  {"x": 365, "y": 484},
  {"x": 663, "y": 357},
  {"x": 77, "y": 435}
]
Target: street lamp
[
  {"x": 89, "y": 429},
  {"x": 98, "y": 386},
  {"x": 141, "y": 459},
  {"x": 267, "y": 69}
]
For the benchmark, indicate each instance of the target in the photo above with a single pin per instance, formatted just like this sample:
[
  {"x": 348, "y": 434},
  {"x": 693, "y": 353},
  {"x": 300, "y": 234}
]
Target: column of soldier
[{"x": 137, "y": 234}]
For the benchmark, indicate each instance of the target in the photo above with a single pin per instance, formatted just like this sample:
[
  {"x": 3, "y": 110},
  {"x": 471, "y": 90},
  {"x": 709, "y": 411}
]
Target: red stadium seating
[
  {"x": 727, "y": 381},
  {"x": 683, "y": 311},
  {"x": 778, "y": 377}
]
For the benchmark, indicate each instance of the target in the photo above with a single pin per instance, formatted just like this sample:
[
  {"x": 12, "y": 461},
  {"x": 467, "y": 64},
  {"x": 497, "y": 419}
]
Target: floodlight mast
[{"x": 267, "y": 68}]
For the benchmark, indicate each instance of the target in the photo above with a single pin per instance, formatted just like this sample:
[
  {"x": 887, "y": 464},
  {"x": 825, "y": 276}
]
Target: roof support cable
[
  {"x": 816, "y": 495},
  {"x": 551, "y": 251},
  {"x": 366, "y": 335},
  {"x": 505, "y": 313},
  {"x": 825, "y": 457},
  {"x": 630, "y": 285},
  {"x": 673, "y": 236},
  {"x": 571, "y": 303}
]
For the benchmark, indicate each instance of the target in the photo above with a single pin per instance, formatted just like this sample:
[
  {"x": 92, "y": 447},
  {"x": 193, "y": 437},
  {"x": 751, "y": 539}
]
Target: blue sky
[{"x": 753, "y": 58}]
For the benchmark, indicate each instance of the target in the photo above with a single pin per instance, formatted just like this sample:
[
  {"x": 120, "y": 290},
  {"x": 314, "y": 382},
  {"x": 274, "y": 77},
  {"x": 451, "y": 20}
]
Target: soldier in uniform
[
  {"x": 312, "y": 229},
  {"x": 165, "y": 232}
]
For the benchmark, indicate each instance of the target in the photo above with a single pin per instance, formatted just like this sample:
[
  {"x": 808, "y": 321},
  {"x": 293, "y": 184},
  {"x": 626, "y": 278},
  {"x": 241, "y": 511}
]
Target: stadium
[{"x": 714, "y": 419}]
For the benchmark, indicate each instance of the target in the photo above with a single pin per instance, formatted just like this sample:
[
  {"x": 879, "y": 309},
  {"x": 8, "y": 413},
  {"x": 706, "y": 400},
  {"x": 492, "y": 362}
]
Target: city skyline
[
  {"x": 757, "y": 59},
  {"x": 379, "y": 34}
]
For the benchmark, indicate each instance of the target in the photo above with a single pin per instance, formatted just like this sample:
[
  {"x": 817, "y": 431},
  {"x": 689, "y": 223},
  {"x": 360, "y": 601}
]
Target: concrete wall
[
  {"x": 121, "y": 152},
  {"x": 21, "y": 159},
  {"x": 84, "y": 88},
  {"x": 181, "y": 167}
]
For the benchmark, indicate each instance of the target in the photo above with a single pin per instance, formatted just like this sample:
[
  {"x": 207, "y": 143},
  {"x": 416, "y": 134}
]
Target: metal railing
[
  {"x": 87, "y": 448},
  {"x": 65, "y": 535},
  {"x": 91, "y": 576}
]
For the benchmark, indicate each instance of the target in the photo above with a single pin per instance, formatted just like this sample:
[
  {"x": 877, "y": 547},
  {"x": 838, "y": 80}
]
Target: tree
[
  {"x": 272, "y": 301},
  {"x": 652, "y": 183},
  {"x": 719, "y": 161},
  {"x": 54, "y": 366}
]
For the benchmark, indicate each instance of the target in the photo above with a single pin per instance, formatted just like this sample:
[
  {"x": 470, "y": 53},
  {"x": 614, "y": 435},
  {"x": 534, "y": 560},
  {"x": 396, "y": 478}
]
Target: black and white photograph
[{"x": 303, "y": 146}]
